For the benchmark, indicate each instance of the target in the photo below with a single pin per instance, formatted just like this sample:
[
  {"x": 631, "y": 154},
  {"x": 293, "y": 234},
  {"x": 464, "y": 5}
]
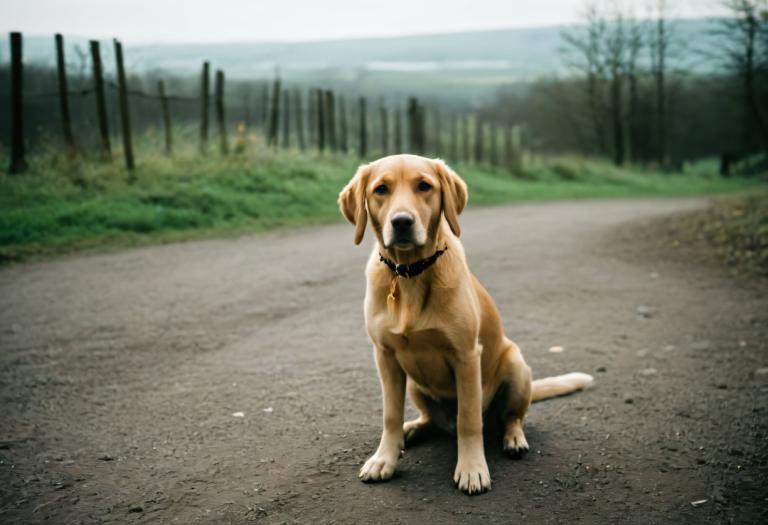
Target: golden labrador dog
[{"x": 436, "y": 331}]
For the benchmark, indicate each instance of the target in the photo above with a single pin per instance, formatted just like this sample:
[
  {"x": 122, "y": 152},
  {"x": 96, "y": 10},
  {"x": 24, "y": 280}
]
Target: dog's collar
[{"x": 413, "y": 269}]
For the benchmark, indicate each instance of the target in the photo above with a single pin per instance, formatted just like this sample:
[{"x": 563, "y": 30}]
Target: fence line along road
[{"x": 323, "y": 123}]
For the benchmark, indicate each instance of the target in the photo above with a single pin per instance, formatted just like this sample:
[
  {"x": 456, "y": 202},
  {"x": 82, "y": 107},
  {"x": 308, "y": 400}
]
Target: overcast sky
[{"x": 147, "y": 21}]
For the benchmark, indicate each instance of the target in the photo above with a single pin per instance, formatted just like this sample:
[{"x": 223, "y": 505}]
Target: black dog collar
[{"x": 413, "y": 269}]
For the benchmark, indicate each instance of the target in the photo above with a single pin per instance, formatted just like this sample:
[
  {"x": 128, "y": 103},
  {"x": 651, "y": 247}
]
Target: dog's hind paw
[
  {"x": 515, "y": 452},
  {"x": 515, "y": 444},
  {"x": 415, "y": 429}
]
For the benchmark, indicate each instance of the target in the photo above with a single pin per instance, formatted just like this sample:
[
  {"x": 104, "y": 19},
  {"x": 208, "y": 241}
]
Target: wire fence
[{"x": 289, "y": 118}]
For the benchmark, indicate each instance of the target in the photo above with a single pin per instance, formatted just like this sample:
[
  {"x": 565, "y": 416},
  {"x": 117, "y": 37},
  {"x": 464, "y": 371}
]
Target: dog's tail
[{"x": 560, "y": 385}]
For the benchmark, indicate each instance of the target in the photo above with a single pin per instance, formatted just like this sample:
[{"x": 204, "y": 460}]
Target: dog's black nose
[{"x": 402, "y": 222}]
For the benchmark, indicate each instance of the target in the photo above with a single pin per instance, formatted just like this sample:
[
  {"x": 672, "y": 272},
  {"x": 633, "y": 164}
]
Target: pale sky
[{"x": 179, "y": 21}]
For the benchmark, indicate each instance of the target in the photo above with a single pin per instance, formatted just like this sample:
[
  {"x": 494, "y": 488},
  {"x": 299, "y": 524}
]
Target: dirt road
[{"x": 122, "y": 377}]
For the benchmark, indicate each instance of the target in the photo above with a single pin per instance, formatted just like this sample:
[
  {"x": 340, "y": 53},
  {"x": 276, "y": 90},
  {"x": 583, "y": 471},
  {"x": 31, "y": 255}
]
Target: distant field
[
  {"x": 519, "y": 52},
  {"x": 62, "y": 206}
]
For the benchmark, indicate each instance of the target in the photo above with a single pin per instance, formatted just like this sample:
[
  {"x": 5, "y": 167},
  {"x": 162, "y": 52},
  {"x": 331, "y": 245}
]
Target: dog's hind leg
[
  {"x": 427, "y": 407},
  {"x": 517, "y": 376}
]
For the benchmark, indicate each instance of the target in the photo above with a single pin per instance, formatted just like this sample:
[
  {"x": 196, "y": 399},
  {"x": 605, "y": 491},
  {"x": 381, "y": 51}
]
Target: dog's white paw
[
  {"x": 472, "y": 478},
  {"x": 379, "y": 467}
]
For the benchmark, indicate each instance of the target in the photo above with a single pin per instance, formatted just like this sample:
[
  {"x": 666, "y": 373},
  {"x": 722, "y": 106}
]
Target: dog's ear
[
  {"x": 352, "y": 201},
  {"x": 454, "y": 193}
]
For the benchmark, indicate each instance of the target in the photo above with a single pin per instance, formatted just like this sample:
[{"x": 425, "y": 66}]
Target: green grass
[{"x": 61, "y": 205}]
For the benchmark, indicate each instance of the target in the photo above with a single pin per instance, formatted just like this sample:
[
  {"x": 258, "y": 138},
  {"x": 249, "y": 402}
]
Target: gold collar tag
[{"x": 392, "y": 290}]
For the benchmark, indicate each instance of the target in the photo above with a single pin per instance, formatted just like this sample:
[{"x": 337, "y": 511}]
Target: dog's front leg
[
  {"x": 381, "y": 466},
  {"x": 471, "y": 475}
]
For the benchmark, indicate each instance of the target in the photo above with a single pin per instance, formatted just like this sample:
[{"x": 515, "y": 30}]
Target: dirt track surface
[{"x": 120, "y": 375}]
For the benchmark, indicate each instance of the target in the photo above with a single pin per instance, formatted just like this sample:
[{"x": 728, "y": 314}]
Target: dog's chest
[{"x": 425, "y": 356}]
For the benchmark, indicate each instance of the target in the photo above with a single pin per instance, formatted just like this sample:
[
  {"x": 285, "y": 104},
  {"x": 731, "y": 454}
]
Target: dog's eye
[
  {"x": 381, "y": 189},
  {"x": 424, "y": 186}
]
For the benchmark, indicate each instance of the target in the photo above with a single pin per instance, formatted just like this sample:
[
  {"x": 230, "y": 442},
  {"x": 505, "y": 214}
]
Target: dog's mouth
[{"x": 403, "y": 243}]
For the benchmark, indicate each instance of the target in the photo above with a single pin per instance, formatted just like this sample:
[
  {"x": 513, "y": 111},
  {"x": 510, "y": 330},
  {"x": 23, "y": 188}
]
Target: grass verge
[{"x": 61, "y": 205}]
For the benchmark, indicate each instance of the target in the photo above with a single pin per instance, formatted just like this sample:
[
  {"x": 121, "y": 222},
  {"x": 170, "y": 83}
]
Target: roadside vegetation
[
  {"x": 733, "y": 231},
  {"x": 61, "y": 205}
]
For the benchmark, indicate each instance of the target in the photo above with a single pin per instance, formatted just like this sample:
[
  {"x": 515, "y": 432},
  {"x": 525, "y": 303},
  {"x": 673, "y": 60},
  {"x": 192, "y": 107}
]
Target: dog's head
[{"x": 405, "y": 197}]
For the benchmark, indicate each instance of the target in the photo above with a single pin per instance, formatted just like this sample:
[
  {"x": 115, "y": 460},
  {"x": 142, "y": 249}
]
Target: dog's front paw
[
  {"x": 472, "y": 478},
  {"x": 379, "y": 467}
]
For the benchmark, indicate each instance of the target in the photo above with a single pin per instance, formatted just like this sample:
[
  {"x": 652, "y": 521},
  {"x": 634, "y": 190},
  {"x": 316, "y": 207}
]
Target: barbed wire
[
  {"x": 144, "y": 94},
  {"x": 79, "y": 92},
  {"x": 113, "y": 85}
]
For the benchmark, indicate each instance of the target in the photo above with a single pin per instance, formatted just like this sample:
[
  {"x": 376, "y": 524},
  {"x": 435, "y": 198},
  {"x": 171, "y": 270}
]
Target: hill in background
[{"x": 522, "y": 53}]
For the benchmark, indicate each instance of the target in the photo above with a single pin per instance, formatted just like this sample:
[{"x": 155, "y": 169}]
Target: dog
[{"x": 436, "y": 331}]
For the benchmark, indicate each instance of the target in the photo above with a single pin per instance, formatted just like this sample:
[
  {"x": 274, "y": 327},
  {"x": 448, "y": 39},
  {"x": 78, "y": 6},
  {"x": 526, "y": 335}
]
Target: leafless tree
[
  {"x": 616, "y": 51},
  {"x": 584, "y": 52},
  {"x": 744, "y": 40},
  {"x": 606, "y": 51},
  {"x": 659, "y": 46},
  {"x": 636, "y": 40}
]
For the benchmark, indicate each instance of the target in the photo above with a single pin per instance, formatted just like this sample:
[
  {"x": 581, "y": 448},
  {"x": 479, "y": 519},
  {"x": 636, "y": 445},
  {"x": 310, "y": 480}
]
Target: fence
[{"x": 291, "y": 118}]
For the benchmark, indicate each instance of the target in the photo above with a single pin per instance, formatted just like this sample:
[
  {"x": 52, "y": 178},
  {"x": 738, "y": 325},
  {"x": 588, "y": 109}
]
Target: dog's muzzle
[{"x": 402, "y": 228}]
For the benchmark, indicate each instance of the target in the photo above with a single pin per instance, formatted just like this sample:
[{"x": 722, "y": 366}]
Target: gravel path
[{"x": 231, "y": 381}]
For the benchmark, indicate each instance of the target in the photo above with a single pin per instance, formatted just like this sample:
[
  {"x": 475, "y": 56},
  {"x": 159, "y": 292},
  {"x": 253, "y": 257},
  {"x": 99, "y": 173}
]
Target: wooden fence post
[
  {"x": 413, "y": 131},
  {"x": 516, "y": 164},
  {"x": 274, "y": 116},
  {"x": 507, "y": 153},
  {"x": 363, "y": 128},
  {"x": 221, "y": 113},
  {"x": 18, "y": 157},
  {"x": 66, "y": 118},
  {"x": 248, "y": 116},
  {"x": 343, "y": 131},
  {"x": 330, "y": 117},
  {"x": 398, "y": 130},
  {"x": 417, "y": 120},
  {"x": 101, "y": 104},
  {"x": 264, "y": 107},
  {"x": 205, "y": 83},
  {"x": 125, "y": 115},
  {"x": 422, "y": 128},
  {"x": 437, "y": 143},
  {"x": 454, "y": 146},
  {"x": 299, "y": 119},
  {"x": 494, "y": 150},
  {"x": 286, "y": 119},
  {"x": 384, "y": 120},
  {"x": 320, "y": 120},
  {"x": 479, "y": 145},
  {"x": 166, "y": 114},
  {"x": 311, "y": 117},
  {"x": 465, "y": 154}
]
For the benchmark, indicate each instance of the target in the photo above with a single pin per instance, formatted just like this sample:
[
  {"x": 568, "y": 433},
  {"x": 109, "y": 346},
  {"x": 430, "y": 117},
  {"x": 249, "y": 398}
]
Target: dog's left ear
[
  {"x": 352, "y": 201},
  {"x": 454, "y": 193}
]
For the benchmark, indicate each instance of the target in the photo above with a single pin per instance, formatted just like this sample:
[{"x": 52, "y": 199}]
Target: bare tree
[
  {"x": 636, "y": 41},
  {"x": 659, "y": 46},
  {"x": 745, "y": 53},
  {"x": 606, "y": 50},
  {"x": 585, "y": 53}
]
